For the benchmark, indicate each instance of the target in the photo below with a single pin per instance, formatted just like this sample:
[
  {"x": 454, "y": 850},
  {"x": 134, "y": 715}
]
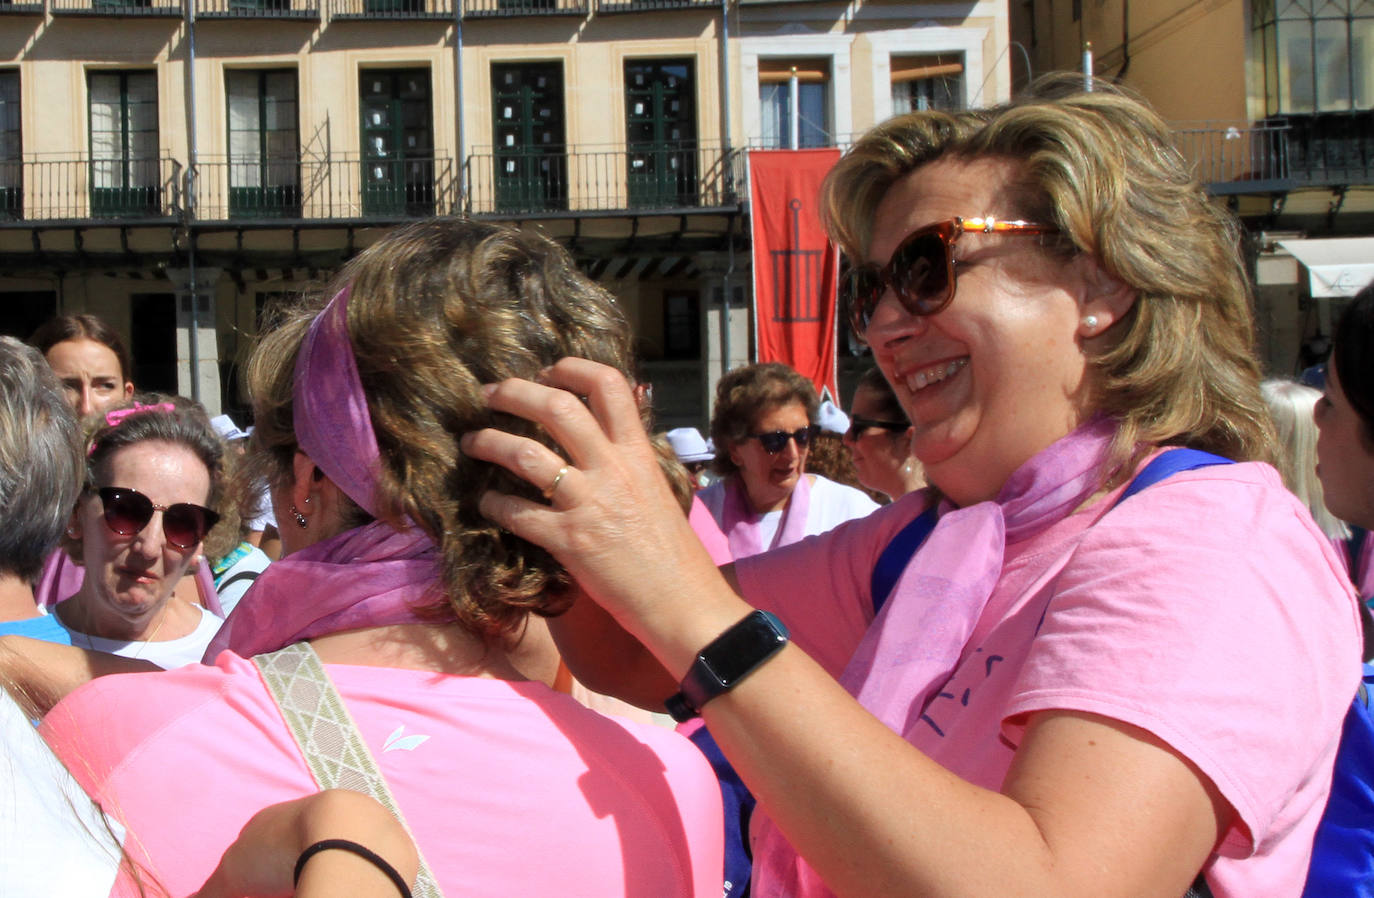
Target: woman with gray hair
[
  {"x": 1292, "y": 405},
  {"x": 40, "y": 475},
  {"x": 762, "y": 426}
]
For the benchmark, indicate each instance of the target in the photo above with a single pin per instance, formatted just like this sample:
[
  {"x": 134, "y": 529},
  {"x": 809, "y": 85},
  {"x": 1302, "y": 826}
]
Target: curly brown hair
[{"x": 437, "y": 309}]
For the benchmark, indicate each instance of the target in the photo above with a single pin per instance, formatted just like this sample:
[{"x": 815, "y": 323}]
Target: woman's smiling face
[{"x": 998, "y": 374}]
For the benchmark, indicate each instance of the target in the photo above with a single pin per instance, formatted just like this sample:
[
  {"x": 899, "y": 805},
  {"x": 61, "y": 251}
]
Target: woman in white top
[
  {"x": 151, "y": 473},
  {"x": 764, "y": 420}
]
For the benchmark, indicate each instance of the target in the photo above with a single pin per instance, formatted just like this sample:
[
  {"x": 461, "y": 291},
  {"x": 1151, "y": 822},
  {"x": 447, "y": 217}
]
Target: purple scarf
[
  {"x": 371, "y": 576},
  {"x": 741, "y": 524}
]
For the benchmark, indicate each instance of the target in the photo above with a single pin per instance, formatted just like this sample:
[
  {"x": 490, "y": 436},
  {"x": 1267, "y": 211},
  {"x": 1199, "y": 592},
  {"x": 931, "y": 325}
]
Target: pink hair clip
[{"x": 119, "y": 414}]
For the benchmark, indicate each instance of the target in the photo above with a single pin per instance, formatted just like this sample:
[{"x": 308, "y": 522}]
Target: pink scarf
[
  {"x": 914, "y": 644},
  {"x": 371, "y": 576},
  {"x": 741, "y": 524}
]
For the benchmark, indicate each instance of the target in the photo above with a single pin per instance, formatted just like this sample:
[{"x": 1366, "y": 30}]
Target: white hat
[
  {"x": 831, "y": 418},
  {"x": 227, "y": 429},
  {"x": 689, "y": 446}
]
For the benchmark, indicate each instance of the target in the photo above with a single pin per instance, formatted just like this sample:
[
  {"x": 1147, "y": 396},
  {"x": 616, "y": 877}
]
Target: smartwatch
[{"x": 729, "y": 658}]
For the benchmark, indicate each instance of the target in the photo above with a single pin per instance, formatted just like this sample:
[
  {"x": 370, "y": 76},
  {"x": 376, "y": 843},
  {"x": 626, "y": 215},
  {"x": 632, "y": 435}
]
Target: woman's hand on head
[{"x": 611, "y": 518}]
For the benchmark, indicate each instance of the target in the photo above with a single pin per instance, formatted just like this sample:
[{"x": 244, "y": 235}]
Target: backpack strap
[
  {"x": 327, "y": 737},
  {"x": 897, "y": 553}
]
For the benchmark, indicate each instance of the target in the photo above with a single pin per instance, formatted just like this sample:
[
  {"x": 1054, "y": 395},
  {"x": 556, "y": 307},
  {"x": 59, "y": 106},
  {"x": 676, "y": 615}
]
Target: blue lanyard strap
[{"x": 895, "y": 556}]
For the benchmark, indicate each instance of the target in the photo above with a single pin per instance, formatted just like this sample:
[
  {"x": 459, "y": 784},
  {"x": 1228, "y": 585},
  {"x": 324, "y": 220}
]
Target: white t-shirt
[
  {"x": 167, "y": 654},
  {"x": 53, "y": 840},
  {"x": 831, "y": 505}
]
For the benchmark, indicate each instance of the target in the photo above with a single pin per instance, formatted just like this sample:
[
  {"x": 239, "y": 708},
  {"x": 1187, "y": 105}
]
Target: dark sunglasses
[
  {"x": 775, "y": 441},
  {"x": 127, "y": 511},
  {"x": 921, "y": 269},
  {"x": 859, "y": 425}
]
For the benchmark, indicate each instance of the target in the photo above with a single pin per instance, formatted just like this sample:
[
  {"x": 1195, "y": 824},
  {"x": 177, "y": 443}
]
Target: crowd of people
[{"x": 1096, "y": 635}]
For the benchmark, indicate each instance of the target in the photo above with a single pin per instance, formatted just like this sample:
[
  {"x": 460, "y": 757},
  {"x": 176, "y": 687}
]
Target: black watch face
[{"x": 741, "y": 648}]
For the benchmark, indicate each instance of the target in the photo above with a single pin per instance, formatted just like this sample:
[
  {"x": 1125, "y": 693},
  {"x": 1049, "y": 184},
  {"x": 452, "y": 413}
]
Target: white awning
[{"x": 1337, "y": 266}]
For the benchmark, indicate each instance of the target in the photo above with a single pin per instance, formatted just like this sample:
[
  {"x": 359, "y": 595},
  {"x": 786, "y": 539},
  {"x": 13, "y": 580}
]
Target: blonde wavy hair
[
  {"x": 437, "y": 309},
  {"x": 1103, "y": 167},
  {"x": 1291, "y": 404}
]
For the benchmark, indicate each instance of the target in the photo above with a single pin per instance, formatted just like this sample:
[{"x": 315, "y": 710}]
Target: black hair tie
[{"x": 365, "y": 853}]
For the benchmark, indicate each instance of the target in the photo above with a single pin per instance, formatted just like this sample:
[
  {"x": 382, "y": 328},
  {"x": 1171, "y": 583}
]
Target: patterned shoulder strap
[{"x": 328, "y": 739}]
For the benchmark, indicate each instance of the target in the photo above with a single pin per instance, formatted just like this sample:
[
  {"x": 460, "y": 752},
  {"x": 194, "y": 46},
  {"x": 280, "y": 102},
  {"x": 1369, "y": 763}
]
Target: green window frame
[
  {"x": 264, "y": 143},
  {"x": 124, "y": 166}
]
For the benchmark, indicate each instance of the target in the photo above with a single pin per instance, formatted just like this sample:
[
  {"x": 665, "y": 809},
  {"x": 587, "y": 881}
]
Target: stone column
[
  {"x": 726, "y": 329},
  {"x": 202, "y": 384}
]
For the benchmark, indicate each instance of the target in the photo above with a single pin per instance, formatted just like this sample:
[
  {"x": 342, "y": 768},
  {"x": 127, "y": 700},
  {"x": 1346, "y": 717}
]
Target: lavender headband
[{"x": 330, "y": 411}]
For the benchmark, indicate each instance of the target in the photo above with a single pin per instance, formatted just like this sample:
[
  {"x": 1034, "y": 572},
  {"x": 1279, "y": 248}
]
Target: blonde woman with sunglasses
[
  {"x": 762, "y": 426},
  {"x": 1065, "y": 692}
]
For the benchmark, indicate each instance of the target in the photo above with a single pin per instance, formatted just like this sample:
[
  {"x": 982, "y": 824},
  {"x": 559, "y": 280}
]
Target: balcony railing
[
  {"x": 346, "y": 187},
  {"x": 144, "y": 8},
  {"x": 607, "y": 7},
  {"x": 300, "y": 10},
  {"x": 665, "y": 177},
  {"x": 1330, "y": 148},
  {"x": 478, "y": 9},
  {"x": 391, "y": 9},
  {"x": 47, "y": 189},
  {"x": 11, "y": 8},
  {"x": 662, "y": 176},
  {"x": 1282, "y": 152},
  {"x": 1235, "y": 158}
]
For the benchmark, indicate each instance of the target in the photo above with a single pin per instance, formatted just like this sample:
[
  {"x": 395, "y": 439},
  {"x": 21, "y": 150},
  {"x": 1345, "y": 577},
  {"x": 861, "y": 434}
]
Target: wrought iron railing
[
  {"x": 1232, "y": 157},
  {"x": 499, "y": 8},
  {"x": 44, "y": 188},
  {"x": 618, "y": 6},
  {"x": 391, "y": 9},
  {"x": 1281, "y": 152},
  {"x": 1330, "y": 148},
  {"x": 337, "y": 187},
  {"x": 304, "y": 10},
  {"x": 155, "y": 8},
  {"x": 660, "y": 176},
  {"x": 21, "y": 8},
  {"x": 646, "y": 178}
]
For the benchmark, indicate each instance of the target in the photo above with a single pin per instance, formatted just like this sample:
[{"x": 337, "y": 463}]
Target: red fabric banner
[{"x": 795, "y": 267}]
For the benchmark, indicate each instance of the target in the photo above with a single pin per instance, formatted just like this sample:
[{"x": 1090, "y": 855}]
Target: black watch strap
[{"x": 729, "y": 658}]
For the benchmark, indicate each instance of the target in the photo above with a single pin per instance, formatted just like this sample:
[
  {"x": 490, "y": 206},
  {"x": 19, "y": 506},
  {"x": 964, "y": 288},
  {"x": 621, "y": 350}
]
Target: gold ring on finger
[{"x": 557, "y": 479}]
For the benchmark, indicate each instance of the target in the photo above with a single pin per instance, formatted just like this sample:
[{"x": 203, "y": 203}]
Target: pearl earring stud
[{"x": 1090, "y": 322}]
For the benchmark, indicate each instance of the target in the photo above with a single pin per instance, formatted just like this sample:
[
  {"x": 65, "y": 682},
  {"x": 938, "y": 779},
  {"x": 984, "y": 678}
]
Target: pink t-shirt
[
  {"x": 1207, "y": 609},
  {"x": 509, "y": 788}
]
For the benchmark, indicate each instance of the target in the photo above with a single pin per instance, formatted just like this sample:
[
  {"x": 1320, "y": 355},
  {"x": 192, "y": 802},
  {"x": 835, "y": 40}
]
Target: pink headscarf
[
  {"x": 371, "y": 576},
  {"x": 330, "y": 411}
]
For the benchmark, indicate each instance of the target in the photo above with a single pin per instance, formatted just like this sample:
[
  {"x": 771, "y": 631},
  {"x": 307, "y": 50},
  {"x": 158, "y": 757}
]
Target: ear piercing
[
  {"x": 1090, "y": 322},
  {"x": 300, "y": 518}
]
